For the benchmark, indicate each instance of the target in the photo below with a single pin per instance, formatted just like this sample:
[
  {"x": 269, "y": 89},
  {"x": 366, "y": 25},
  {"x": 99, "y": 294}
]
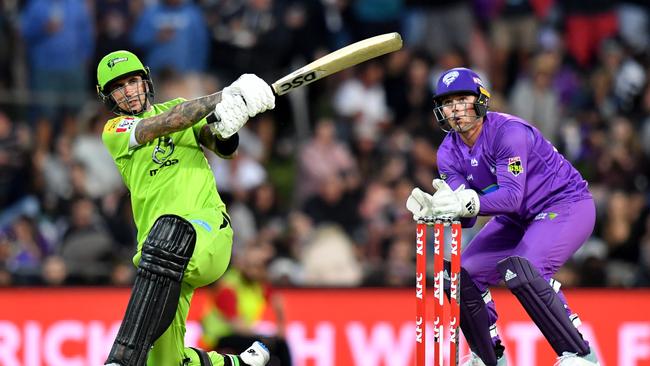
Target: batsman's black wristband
[{"x": 228, "y": 146}]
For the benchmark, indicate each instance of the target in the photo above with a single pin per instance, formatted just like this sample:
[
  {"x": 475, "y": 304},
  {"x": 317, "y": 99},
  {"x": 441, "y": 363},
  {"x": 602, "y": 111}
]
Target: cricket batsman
[
  {"x": 499, "y": 165},
  {"x": 184, "y": 234}
]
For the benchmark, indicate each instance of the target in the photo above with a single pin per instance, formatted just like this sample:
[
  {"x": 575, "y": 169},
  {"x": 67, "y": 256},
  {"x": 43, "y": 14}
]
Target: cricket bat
[
  {"x": 329, "y": 64},
  {"x": 338, "y": 60}
]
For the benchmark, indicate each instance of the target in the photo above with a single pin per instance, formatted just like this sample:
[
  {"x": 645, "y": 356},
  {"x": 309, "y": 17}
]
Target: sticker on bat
[{"x": 298, "y": 81}]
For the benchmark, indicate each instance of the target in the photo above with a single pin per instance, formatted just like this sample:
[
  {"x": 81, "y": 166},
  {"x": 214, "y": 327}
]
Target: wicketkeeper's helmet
[{"x": 460, "y": 80}]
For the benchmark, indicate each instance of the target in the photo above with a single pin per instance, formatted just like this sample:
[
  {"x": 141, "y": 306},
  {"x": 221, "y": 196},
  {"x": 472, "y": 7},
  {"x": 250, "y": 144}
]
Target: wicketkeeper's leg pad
[
  {"x": 155, "y": 295},
  {"x": 474, "y": 318},
  {"x": 542, "y": 304}
]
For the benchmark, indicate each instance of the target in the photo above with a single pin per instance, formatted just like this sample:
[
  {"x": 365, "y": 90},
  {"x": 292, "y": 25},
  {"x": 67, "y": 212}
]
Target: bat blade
[{"x": 338, "y": 60}]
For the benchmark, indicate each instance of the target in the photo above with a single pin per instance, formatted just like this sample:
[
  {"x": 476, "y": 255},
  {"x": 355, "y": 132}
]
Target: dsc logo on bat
[{"x": 298, "y": 81}]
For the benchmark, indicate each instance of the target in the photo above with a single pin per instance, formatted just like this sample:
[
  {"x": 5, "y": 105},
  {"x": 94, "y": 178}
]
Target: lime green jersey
[{"x": 169, "y": 175}]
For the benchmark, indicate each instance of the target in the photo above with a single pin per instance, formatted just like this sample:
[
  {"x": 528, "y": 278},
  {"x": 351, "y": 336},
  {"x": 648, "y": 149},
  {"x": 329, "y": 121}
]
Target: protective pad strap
[
  {"x": 474, "y": 318},
  {"x": 154, "y": 298},
  {"x": 203, "y": 357},
  {"x": 543, "y": 305}
]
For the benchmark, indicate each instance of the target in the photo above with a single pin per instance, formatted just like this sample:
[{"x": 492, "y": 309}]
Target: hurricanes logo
[
  {"x": 514, "y": 166},
  {"x": 163, "y": 150},
  {"x": 116, "y": 60},
  {"x": 450, "y": 77}
]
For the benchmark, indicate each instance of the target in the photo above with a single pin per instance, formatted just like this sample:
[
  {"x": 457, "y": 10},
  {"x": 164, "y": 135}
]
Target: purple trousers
[{"x": 547, "y": 241}]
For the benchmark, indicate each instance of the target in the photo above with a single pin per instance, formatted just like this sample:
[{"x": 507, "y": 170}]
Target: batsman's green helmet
[{"x": 119, "y": 64}]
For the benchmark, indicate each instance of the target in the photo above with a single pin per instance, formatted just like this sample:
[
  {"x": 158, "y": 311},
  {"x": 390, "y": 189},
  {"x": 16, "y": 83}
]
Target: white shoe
[
  {"x": 474, "y": 360},
  {"x": 256, "y": 355},
  {"x": 572, "y": 359}
]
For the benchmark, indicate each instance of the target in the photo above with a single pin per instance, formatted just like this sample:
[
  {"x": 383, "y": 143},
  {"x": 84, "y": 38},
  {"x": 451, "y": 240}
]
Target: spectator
[
  {"x": 439, "y": 26},
  {"x": 362, "y": 101},
  {"x": 269, "y": 217},
  {"x": 245, "y": 32},
  {"x": 534, "y": 99},
  {"x": 114, "y": 19},
  {"x": 101, "y": 174},
  {"x": 15, "y": 171},
  {"x": 586, "y": 26},
  {"x": 54, "y": 272},
  {"x": 328, "y": 259},
  {"x": 334, "y": 205},
  {"x": 87, "y": 247},
  {"x": 373, "y": 17},
  {"x": 172, "y": 27},
  {"x": 513, "y": 33},
  {"x": 28, "y": 249},
  {"x": 54, "y": 174},
  {"x": 237, "y": 304},
  {"x": 313, "y": 169},
  {"x": 59, "y": 37}
]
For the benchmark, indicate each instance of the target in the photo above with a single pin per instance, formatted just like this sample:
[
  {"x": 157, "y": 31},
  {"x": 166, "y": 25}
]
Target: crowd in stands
[{"x": 320, "y": 183}]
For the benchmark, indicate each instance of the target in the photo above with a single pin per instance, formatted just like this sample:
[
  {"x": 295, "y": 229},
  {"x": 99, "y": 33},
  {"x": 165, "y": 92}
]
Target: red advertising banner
[{"x": 75, "y": 327}]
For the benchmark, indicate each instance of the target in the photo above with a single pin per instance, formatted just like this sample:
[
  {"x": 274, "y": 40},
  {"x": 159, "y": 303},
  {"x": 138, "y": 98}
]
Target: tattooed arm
[{"x": 178, "y": 118}]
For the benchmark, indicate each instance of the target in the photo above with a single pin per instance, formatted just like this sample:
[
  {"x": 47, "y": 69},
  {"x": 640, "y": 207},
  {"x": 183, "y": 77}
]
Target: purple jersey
[{"x": 512, "y": 167}]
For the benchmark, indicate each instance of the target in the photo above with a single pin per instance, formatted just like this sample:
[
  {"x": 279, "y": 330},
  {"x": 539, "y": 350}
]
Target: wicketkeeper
[{"x": 499, "y": 165}]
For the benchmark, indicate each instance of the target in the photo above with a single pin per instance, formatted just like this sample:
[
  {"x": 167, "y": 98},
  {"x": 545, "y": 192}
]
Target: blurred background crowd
[{"x": 320, "y": 184}]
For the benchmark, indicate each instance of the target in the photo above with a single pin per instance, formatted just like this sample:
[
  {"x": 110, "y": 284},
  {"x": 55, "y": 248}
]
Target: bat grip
[{"x": 212, "y": 118}]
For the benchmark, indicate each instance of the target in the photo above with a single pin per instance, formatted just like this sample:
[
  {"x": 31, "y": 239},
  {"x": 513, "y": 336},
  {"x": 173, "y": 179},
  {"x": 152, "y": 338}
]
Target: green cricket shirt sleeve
[{"x": 119, "y": 139}]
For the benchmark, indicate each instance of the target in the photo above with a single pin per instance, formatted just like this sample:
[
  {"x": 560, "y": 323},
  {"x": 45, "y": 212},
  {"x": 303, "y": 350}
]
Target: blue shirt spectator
[
  {"x": 59, "y": 34},
  {"x": 60, "y": 40},
  {"x": 173, "y": 34}
]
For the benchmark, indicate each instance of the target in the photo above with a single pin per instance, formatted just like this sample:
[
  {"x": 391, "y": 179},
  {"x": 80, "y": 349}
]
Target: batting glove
[
  {"x": 232, "y": 115},
  {"x": 256, "y": 93}
]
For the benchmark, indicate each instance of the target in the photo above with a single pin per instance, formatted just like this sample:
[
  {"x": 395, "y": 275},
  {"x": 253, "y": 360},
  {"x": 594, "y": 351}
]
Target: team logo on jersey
[
  {"x": 125, "y": 125},
  {"x": 110, "y": 125},
  {"x": 514, "y": 166},
  {"x": 163, "y": 150},
  {"x": 470, "y": 177},
  {"x": 443, "y": 176},
  {"x": 450, "y": 77},
  {"x": 474, "y": 162},
  {"x": 544, "y": 215}
]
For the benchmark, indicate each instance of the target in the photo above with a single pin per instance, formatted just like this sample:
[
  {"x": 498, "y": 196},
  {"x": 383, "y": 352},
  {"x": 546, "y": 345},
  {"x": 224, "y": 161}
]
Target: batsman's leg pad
[
  {"x": 474, "y": 317},
  {"x": 542, "y": 304},
  {"x": 154, "y": 298}
]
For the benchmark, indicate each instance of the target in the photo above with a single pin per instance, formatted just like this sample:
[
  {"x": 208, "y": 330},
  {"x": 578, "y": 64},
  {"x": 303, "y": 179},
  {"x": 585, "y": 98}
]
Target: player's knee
[
  {"x": 517, "y": 271},
  {"x": 168, "y": 247}
]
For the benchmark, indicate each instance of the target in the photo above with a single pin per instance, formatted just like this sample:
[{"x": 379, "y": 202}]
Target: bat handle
[{"x": 212, "y": 119}]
